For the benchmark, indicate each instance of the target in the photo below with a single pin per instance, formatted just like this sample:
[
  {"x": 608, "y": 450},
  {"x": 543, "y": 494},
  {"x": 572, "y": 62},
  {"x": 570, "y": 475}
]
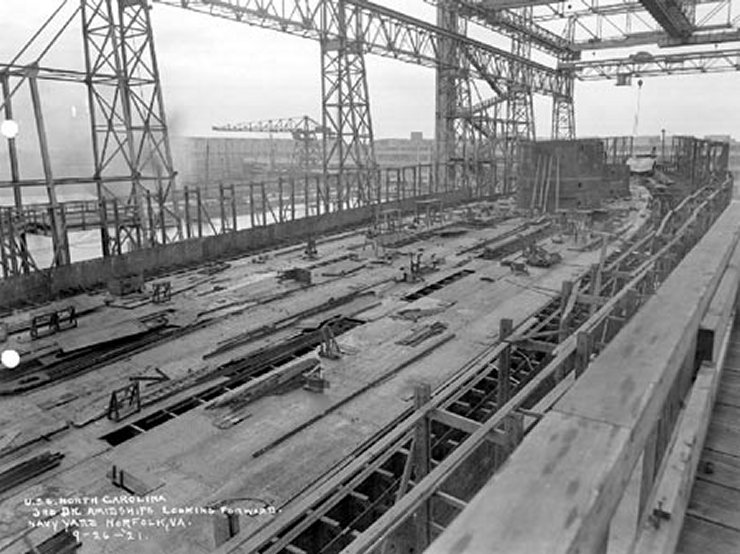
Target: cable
[{"x": 637, "y": 110}]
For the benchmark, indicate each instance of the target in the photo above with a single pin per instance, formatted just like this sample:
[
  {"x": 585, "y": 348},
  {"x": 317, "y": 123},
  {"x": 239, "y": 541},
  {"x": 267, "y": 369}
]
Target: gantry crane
[
  {"x": 305, "y": 131},
  {"x": 482, "y": 90}
]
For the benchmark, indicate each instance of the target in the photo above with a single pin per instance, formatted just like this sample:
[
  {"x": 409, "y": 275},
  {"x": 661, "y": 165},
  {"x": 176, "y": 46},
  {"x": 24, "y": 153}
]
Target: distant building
[
  {"x": 734, "y": 161},
  {"x": 397, "y": 152},
  {"x": 214, "y": 160}
]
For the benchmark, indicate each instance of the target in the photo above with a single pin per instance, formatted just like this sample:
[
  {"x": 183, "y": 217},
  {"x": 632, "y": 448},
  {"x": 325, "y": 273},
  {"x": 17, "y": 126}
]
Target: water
[{"x": 86, "y": 245}]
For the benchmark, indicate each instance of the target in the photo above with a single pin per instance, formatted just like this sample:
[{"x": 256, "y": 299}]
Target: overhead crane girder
[
  {"x": 678, "y": 63},
  {"x": 374, "y": 29},
  {"x": 304, "y": 130},
  {"x": 512, "y": 23},
  {"x": 387, "y": 33},
  {"x": 282, "y": 125},
  {"x": 674, "y": 16}
]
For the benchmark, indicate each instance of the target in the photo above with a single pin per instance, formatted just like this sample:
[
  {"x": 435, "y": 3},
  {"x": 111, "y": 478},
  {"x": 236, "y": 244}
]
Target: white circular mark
[
  {"x": 10, "y": 358},
  {"x": 9, "y": 128}
]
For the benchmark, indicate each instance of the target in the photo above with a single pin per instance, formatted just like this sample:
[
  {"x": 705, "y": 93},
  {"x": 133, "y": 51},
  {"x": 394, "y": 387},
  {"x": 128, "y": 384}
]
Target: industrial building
[{"x": 292, "y": 336}]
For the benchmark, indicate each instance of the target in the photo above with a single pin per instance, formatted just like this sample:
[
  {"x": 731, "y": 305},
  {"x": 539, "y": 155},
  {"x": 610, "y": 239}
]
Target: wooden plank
[
  {"x": 84, "y": 337},
  {"x": 724, "y": 299},
  {"x": 704, "y": 537},
  {"x": 451, "y": 500},
  {"x": 637, "y": 390},
  {"x": 673, "y": 489},
  {"x": 716, "y": 503},
  {"x": 263, "y": 384},
  {"x": 7, "y": 438},
  {"x": 571, "y": 465},
  {"x": 729, "y": 392},
  {"x": 718, "y": 467},
  {"x": 544, "y": 500},
  {"x": 466, "y": 425},
  {"x": 720, "y": 309},
  {"x": 677, "y": 473},
  {"x": 83, "y": 304},
  {"x": 724, "y": 430}
]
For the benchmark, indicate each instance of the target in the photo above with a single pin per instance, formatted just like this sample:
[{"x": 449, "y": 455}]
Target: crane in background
[{"x": 305, "y": 131}]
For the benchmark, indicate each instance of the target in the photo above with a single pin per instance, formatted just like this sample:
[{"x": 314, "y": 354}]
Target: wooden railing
[{"x": 561, "y": 488}]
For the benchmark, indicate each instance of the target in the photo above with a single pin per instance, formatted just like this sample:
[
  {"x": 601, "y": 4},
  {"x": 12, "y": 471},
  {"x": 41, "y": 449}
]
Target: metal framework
[
  {"x": 307, "y": 154},
  {"x": 520, "y": 109},
  {"x": 345, "y": 101},
  {"x": 404, "y": 488},
  {"x": 133, "y": 169},
  {"x": 483, "y": 107},
  {"x": 705, "y": 61},
  {"x": 129, "y": 130},
  {"x": 619, "y": 24},
  {"x": 347, "y": 29},
  {"x": 514, "y": 23},
  {"x": 675, "y": 16}
]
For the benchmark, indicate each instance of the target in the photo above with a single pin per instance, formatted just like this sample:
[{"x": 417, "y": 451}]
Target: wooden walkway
[{"x": 712, "y": 523}]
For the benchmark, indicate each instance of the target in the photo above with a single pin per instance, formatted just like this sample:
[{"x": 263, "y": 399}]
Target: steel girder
[
  {"x": 291, "y": 125},
  {"x": 305, "y": 131},
  {"x": 450, "y": 78},
  {"x": 563, "y": 119},
  {"x": 520, "y": 107},
  {"x": 563, "y": 108},
  {"x": 520, "y": 111},
  {"x": 707, "y": 61},
  {"x": 129, "y": 130},
  {"x": 378, "y": 30},
  {"x": 603, "y": 24},
  {"x": 386, "y": 33},
  {"x": 513, "y": 24},
  {"x": 345, "y": 102},
  {"x": 675, "y": 16},
  {"x": 467, "y": 136}
]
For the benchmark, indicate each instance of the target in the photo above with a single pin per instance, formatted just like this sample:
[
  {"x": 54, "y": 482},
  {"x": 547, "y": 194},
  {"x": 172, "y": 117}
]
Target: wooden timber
[
  {"x": 561, "y": 487},
  {"x": 200, "y": 463},
  {"x": 712, "y": 521}
]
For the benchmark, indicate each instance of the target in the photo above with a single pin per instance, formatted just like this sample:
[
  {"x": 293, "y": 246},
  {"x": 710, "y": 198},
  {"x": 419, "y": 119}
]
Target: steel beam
[
  {"x": 58, "y": 231},
  {"x": 386, "y": 33},
  {"x": 14, "y": 172},
  {"x": 513, "y": 24},
  {"x": 128, "y": 124},
  {"x": 674, "y": 16},
  {"x": 506, "y": 4},
  {"x": 563, "y": 115},
  {"x": 663, "y": 40},
  {"x": 348, "y": 142},
  {"x": 706, "y": 61}
]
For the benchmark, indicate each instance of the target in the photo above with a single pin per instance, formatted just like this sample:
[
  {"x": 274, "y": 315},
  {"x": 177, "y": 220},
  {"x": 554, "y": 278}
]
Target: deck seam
[
  {"x": 691, "y": 513},
  {"x": 717, "y": 483}
]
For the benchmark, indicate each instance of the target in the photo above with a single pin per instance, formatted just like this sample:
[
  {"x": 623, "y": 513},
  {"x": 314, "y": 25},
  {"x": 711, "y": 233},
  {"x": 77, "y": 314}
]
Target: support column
[
  {"x": 563, "y": 112},
  {"x": 422, "y": 466},
  {"x": 520, "y": 110},
  {"x": 503, "y": 386},
  {"x": 348, "y": 137},
  {"x": 15, "y": 175},
  {"x": 58, "y": 230},
  {"x": 127, "y": 116},
  {"x": 446, "y": 98}
]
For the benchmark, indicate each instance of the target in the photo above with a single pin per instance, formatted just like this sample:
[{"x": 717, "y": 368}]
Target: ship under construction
[{"x": 516, "y": 344}]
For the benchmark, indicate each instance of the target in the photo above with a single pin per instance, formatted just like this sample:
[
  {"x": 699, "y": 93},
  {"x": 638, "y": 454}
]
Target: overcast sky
[{"x": 216, "y": 71}]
